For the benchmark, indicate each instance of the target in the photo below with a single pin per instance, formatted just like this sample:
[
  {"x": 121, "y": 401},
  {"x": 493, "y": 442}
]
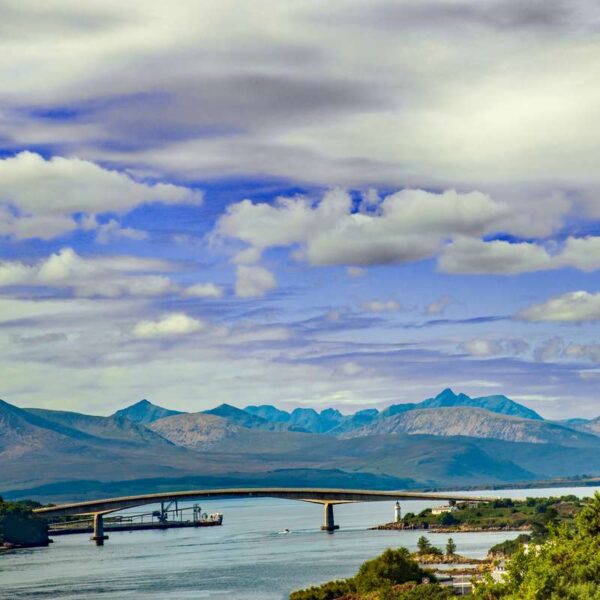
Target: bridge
[{"x": 327, "y": 497}]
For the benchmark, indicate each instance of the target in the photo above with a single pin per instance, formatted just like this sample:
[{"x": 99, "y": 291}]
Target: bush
[
  {"x": 449, "y": 519},
  {"x": 327, "y": 591},
  {"x": 391, "y": 568}
]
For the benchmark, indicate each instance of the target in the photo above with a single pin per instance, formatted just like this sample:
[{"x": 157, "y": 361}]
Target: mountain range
[{"x": 448, "y": 440}]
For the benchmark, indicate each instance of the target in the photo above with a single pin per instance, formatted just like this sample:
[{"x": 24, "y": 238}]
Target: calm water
[{"x": 246, "y": 558}]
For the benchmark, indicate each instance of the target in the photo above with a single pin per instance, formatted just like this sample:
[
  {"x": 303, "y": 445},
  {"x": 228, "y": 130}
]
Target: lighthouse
[{"x": 397, "y": 512}]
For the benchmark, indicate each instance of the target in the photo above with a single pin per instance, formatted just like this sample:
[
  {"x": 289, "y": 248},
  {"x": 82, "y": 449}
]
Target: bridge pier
[
  {"x": 328, "y": 522},
  {"x": 98, "y": 535}
]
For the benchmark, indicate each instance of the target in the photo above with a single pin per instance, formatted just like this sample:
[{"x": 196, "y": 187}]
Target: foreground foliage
[
  {"x": 19, "y": 526},
  {"x": 394, "y": 575},
  {"x": 565, "y": 567}
]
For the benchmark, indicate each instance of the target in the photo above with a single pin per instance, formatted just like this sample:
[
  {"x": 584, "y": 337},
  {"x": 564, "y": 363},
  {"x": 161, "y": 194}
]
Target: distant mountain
[
  {"x": 116, "y": 428},
  {"x": 57, "y": 454},
  {"x": 244, "y": 419},
  {"x": 476, "y": 423},
  {"x": 590, "y": 426},
  {"x": 145, "y": 412},
  {"x": 268, "y": 412},
  {"x": 44, "y": 446},
  {"x": 332, "y": 422},
  {"x": 194, "y": 430},
  {"x": 497, "y": 403},
  {"x": 300, "y": 419}
]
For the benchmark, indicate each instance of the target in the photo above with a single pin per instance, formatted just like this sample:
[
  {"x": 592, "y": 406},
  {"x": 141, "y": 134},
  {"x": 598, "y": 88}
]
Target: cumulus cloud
[
  {"x": 253, "y": 281},
  {"x": 109, "y": 277},
  {"x": 573, "y": 307},
  {"x": 204, "y": 290},
  {"x": 406, "y": 226},
  {"x": 476, "y": 256},
  {"x": 378, "y": 306},
  {"x": 40, "y": 197},
  {"x": 173, "y": 324}
]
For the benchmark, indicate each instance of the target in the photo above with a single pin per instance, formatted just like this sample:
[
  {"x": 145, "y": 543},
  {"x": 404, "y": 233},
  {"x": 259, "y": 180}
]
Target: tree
[
  {"x": 566, "y": 565},
  {"x": 450, "y": 547},
  {"x": 448, "y": 519},
  {"x": 390, "y": 568},
  {"x": 423, "y": 545}
]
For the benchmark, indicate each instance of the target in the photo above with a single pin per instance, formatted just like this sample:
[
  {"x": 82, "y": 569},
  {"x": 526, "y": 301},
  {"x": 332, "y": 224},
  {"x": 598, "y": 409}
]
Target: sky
[{"x": 345, "y": 204}]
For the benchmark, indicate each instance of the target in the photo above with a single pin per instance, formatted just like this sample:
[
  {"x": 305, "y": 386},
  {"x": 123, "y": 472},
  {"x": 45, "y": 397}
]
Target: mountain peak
[{"x": 144, "y": 411}]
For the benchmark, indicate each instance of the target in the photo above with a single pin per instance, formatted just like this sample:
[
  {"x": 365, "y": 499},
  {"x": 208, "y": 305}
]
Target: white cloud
[
  {"x": 39, "y": 197},
  {"x": 173, "y": 324},
  {"x": 248, "y": 256},
  {"x": 475, "y": 256},
  {"x": 406, "y": 226},
  {"x": 481, "y": 347},
  {"x": 439, "y": 306},
  {"x": 378, "y": 306},
  {"x": 110, "y": 277},
  {"x": 204, "y": 290},
  {"x": 112, "y": 230},
  {"x": 253, "y": 282},
  {"x": 573, "y": 307}
]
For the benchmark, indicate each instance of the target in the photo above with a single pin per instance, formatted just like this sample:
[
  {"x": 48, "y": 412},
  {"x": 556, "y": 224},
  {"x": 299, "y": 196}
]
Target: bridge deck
[{"x": 332, "y": 496}]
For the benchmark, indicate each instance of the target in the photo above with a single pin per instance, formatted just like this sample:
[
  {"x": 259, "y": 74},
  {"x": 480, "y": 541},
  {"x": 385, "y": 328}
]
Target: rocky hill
[{"x": 477, "y": 423}]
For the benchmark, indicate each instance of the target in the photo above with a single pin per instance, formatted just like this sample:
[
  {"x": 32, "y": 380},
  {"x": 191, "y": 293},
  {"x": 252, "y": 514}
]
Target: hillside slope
[{"x": 476, "y": 423}]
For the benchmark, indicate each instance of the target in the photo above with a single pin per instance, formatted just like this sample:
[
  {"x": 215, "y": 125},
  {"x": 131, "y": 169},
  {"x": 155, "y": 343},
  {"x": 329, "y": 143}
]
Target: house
[{"x": 440, "y": 510}]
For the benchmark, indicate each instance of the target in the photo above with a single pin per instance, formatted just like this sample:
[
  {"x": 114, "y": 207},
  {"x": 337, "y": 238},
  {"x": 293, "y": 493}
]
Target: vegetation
[
  {"x": 509, "y": 547},
  {"x": 19, "y": 526},
  {"x": 450, "y": 547},
  {"x": 532, "y": 513},
  {"x": 565, "y": 566},
  {"x": 424, "y": 547},
  {"x": 394, "y": 575}
]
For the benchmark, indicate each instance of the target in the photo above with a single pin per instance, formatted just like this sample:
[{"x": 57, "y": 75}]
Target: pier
[{"x": 165, "y": 518}]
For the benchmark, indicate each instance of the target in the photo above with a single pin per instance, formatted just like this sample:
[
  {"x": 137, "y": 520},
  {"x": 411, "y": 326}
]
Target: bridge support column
[
  {"x": 328, "y": 522},
  {"x": 98, "y": 535}
]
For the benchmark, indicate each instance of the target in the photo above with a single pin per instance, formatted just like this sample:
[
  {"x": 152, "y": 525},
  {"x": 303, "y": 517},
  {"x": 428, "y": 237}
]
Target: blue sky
[{"x": 287, "y": 203}]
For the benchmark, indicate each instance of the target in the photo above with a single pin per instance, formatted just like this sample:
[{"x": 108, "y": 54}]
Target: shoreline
[{"x": 448, "y": 529}]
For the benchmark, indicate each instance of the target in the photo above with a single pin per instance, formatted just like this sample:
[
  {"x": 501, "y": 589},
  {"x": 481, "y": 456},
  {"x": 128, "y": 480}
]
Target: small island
[
  {"x": 19, "y": 527},
  {"x": 530, "y": 514}
]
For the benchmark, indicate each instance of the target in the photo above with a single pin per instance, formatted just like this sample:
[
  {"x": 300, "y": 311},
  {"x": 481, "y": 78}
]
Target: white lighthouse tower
[{"x": 397, "y": 512}]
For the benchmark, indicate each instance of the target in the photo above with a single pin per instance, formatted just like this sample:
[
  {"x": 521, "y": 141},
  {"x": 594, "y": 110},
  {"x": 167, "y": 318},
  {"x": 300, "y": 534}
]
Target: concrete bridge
[{"x": 327, "y": 497}]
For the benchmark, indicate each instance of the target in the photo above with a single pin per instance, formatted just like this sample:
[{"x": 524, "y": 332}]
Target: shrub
[{"x": 391, "y": 568}]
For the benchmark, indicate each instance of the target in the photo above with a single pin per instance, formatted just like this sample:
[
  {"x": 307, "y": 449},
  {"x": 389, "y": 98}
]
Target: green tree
[
  {"x": 448, "y": 519},
  {"x": 423, "y": 545},
  {"x": 565, "y": 567},
  {"x": 450, "y": 547},
  {"x": 390, "y": 568}
]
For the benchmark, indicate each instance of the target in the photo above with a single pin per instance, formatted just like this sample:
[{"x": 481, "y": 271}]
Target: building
[{"x": 440, "y": 510}]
